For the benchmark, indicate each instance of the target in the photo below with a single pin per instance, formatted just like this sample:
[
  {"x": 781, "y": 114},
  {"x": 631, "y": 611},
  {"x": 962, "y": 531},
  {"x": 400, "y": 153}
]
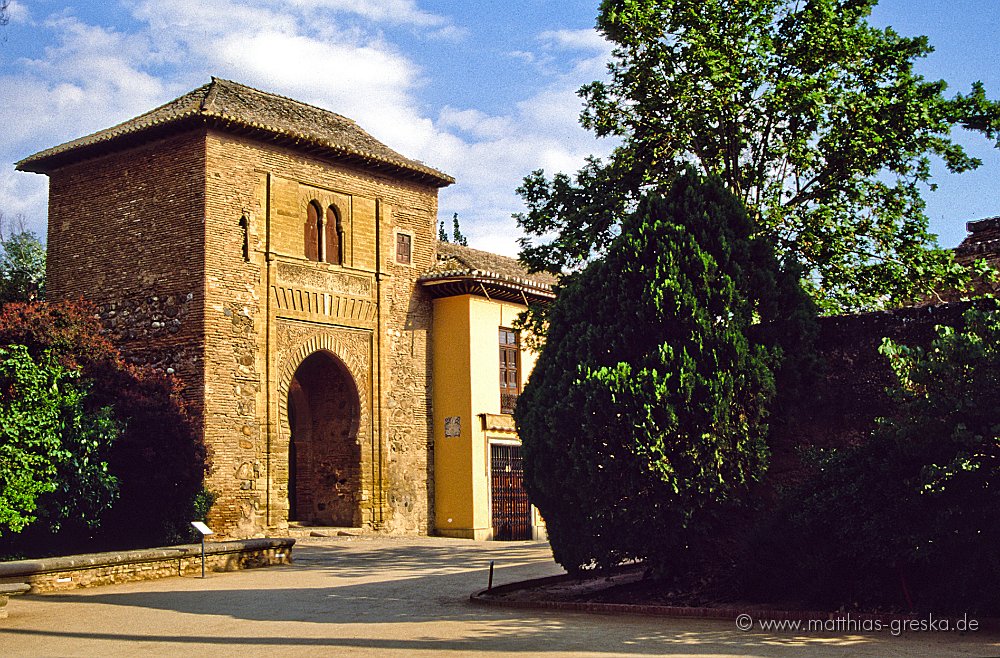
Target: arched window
[
  {"x": 333, "y": 237},
  {"x": 312, "y": 231}
]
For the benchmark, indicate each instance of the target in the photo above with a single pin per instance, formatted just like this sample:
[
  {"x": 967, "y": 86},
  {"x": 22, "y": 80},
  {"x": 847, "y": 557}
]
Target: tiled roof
[
  {"x": 983, "y": 241},
  {"x": 235, "y": 107},
  {"x": 461, "y": 270}
]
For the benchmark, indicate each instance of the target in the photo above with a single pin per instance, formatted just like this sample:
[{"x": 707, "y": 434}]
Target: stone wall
[
  {"x": 267, "y": 306},
  {"x": 839, "y": 407},
  {"x": 76, "y": 571}
]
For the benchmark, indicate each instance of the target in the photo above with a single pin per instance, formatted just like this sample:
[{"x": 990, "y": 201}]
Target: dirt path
[{"x": 395, "y": 597}]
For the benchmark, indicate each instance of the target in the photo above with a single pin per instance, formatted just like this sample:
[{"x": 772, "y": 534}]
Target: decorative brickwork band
[{"x": 313, "y": 302}]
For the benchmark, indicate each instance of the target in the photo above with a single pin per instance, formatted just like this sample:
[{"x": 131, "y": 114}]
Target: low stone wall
[{"x": 73, "y": 571}]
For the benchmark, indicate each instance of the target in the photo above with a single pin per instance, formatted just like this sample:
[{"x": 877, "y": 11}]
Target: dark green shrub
[
  {"x": 911, "y": 518},
  {"x": 645, "y": 415}
]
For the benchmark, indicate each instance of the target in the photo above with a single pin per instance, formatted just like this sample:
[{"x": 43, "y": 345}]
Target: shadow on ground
[{"x": 406, "y": 598}]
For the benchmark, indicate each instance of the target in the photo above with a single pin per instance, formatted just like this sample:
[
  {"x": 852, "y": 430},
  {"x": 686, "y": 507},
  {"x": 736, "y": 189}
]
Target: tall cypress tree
[{"x": 456, "y": 232}]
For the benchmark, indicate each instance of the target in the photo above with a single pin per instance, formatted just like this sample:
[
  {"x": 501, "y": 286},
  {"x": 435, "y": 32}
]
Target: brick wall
[
  {"x": 126, "y": 232},
  {"x": 192, "y": 247}
]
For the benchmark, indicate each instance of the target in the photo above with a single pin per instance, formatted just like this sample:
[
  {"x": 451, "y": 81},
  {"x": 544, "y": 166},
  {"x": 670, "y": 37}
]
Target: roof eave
[
  {"x": 44, "y": 162},
  {"x": 486, "y": 285},
  {"x": 51, "y": 159}
]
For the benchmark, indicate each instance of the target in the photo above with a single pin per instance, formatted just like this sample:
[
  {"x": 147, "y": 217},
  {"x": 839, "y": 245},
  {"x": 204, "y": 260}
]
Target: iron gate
[{"x": 511, "y": 509}]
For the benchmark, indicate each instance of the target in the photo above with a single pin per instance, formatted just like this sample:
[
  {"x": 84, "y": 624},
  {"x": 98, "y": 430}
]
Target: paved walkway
[{"x": 392, "y": 597}]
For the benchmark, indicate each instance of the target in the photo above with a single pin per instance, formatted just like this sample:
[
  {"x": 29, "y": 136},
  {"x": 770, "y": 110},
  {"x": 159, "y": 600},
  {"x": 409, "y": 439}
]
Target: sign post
[{"x": 204, "y": 530}]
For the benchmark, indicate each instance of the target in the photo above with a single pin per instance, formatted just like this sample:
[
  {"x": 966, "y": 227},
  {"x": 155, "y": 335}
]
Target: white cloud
[
  {"x": 344, "y": 69},
  {"x": 337, "y": 71},
  {"x": 25, "y": 196},
  {"x": 404, "y": 12},
  {"x": 541, "y": 131},
  {"x": 523, "y": 55},
  {"x": 85, "y": 82},
  {"x": 92, "y": 77},
  {"x": 17, "y": 13},
  {"x": 588, "y": 39},
  {"x": 475, "y": 122}
]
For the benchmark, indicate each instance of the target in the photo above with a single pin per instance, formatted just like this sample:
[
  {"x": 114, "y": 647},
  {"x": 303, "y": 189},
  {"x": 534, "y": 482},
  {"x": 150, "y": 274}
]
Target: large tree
[
  {"x": 811, "y": 116},
  {"x": 645, "y": 411},
  {"x": 158, "y": 460}
]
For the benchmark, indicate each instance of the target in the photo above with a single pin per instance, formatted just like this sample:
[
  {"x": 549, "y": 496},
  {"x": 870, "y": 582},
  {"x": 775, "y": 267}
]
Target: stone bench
[{"x": 8, "y": 590}]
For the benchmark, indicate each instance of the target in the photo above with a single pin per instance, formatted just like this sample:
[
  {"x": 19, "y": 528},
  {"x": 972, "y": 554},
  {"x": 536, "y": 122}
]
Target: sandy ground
[{"x": 376, "y": 596}]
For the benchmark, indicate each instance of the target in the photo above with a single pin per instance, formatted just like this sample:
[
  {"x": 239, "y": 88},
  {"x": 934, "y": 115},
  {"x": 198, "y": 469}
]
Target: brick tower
[{"x": 266, "y": 251}]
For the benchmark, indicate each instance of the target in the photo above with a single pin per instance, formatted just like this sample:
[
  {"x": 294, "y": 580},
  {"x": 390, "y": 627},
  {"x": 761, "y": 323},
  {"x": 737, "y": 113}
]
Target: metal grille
[
  {"x": 511, "y": 509},
  {"x": 508, "y": 402}
]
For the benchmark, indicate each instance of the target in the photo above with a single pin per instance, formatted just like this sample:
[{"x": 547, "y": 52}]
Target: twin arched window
[{"x": 323, "y": 235}]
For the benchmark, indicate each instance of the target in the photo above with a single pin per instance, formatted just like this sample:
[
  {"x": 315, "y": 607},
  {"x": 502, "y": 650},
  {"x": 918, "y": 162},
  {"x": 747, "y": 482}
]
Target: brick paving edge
[{"x": 488, "y": 597}]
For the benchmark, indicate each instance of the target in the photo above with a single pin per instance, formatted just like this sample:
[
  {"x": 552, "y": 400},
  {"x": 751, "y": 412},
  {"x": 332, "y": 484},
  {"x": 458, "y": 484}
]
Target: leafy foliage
[
  {"x": 813, "y": 118},
  {"x": 456, "y": 232},
  {"x": 53, "y": 452},
  {"x": 645, "y": 412},
  {"x": 22, "y": 268},
  {"x": 911, "y": 517},
  {"x": 159, "y": 460}
]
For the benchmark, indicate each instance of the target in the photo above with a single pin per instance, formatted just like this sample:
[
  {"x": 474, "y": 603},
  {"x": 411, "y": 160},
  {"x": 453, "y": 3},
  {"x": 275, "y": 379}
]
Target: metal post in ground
[{"x": 204, "y": 530}]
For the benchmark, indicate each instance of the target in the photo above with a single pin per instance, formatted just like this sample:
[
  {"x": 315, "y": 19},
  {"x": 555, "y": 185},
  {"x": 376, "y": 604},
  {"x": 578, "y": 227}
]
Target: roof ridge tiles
[
  {"x": 237, "y": 104},
  {"x": 287, "y": 99}
]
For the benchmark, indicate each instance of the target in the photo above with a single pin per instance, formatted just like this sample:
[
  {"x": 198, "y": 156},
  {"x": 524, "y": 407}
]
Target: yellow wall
[
  {"x": 451, "y": 358},
  {"x": 466, "y": 384}
]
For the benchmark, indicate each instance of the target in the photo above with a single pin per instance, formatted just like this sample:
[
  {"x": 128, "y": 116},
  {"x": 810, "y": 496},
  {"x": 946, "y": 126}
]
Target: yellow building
[{"x": 480, "y": 365}]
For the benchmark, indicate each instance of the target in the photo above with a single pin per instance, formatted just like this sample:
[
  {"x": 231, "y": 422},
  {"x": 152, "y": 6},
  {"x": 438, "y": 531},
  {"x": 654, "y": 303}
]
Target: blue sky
[{"x": 482, "y": 90}]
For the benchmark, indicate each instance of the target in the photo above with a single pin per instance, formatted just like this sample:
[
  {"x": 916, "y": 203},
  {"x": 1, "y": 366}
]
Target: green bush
[
  {"x": 158, "y": 462},
  {"x": 645, "y": 414},
  {"x": 53, "y": 452},
  {"x": 911, "y": 518}
]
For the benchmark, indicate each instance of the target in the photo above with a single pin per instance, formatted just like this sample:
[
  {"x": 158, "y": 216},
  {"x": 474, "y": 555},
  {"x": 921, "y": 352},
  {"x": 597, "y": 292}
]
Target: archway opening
[{"x": 324, "y": 457}]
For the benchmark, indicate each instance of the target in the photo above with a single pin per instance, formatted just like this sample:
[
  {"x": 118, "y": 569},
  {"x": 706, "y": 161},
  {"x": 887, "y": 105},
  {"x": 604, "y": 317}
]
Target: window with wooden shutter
[
  {"x": 404, "y": 248},
  {"x": 334, "y": 234},
  {"x": 311, "y": 231},
  {"x": 510, "y": 382}
]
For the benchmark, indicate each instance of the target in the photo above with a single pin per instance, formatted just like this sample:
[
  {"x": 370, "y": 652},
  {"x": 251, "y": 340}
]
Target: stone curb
[
  {"x": 16, "y": 568},
  {"x": 487, "y": 597}
]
